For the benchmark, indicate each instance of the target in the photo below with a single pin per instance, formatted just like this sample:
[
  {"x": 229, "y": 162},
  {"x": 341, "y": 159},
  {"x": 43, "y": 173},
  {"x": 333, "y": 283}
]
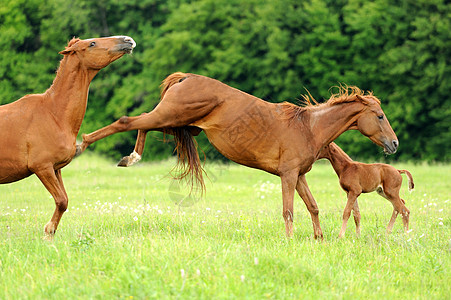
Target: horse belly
[
  {"x": 252, "y": 151},
  {"x": 13, "y": 156},
  {"x": 12, "y": 170}
]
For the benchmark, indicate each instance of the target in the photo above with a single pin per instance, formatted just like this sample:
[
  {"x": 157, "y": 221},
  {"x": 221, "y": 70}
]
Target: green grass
[{"x": 124, "y": 237}]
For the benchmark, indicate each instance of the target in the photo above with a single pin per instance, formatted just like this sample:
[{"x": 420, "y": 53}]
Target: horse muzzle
[
  {"x": 390, "y": 147},
  {"x": 126, "y": 44}
]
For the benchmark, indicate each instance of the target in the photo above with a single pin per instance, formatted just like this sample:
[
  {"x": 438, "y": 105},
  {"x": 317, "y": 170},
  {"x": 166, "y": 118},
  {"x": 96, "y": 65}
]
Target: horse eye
[
  {"x": 92, "y": 44},
  {"x": 380, "y": 117}
]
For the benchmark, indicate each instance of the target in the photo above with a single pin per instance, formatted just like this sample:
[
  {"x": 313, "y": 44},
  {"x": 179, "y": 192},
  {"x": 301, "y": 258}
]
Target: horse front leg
[
  {"x": 304, "y": 191},
  {"x": 53, "y": 182},
  {"x": 288, "y": 187}
]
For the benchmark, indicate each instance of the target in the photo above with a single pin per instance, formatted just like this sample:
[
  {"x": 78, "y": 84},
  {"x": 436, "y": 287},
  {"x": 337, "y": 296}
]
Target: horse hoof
[
  {"x": 127, "y": 161},
  {"x": 124, "y": 162},
  {"x": 78, "y": 151}
]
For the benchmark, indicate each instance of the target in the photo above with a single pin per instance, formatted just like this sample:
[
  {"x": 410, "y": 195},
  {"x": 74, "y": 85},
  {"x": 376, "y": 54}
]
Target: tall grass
[{"x": 123, "y": 236}]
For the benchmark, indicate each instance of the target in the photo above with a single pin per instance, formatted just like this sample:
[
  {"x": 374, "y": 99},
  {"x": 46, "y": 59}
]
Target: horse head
[
  {"x": 97, "y": 53},
  {"x": 373, "y": 123}
]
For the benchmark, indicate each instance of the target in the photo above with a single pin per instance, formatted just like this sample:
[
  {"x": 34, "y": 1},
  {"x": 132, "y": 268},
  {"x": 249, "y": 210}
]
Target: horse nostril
[
  {"x": 395, "y": 144},
  {"x": 130, "y": 41}
]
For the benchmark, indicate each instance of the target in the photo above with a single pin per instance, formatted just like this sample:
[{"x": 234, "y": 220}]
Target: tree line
[{"x": 275, "y": 50}]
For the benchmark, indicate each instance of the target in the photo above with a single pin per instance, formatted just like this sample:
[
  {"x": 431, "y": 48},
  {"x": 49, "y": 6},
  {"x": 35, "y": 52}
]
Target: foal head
[
  {"x": 373, "y": 123},
  {"x": 97, "y": 53}
]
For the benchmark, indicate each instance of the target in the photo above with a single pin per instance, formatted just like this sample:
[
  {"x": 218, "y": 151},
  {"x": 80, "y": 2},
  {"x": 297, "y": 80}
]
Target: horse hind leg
[
  {"x": 135, "y": 156},
  {"x": 53, "y": 182},
  {"x": 154, "y": 120}
]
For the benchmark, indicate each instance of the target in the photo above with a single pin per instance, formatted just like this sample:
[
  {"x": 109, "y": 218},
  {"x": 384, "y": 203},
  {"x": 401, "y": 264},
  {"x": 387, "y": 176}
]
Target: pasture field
[{"x": 124, "y": 237}]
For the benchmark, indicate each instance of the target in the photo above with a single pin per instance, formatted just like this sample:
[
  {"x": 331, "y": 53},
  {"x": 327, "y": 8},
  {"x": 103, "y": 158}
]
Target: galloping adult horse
[
  {"x": 282, "y": 139},
  {"x": 39, "y": 131}
]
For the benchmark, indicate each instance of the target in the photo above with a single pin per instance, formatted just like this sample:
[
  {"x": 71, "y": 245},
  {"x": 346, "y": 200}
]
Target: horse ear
[
  {"x": 70, "y": 46},
  {"x": 362, "y": 99},
  {"x": 66, "y": 51}
]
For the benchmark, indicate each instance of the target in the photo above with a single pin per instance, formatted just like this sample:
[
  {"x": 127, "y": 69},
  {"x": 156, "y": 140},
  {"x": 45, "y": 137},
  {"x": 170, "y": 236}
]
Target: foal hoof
[{"x": 48, "y": 237}]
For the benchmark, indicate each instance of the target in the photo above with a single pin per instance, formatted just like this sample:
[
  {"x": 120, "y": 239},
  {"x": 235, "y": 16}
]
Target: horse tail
[
  {"x": 409, "y": 176},
  {"x": 170, "y": 81},
  {"x": 188, "y": 163}
]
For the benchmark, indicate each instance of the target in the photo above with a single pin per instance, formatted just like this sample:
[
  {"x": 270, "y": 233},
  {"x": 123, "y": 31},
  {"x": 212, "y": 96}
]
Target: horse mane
[
  {"x": 62, "y": 64},
  {"x": 345, "y": 94}
]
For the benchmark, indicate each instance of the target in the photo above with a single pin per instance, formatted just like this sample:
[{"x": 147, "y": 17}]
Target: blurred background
[{"x": 400, "y": 50}]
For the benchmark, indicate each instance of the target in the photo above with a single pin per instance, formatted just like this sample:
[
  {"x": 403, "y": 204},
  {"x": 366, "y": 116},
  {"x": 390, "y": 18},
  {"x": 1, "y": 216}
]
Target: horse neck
[
  {"x": 337, "y": 157},
  {"x": 328, "y": 122},
  {"x": 68, "y": 95}
]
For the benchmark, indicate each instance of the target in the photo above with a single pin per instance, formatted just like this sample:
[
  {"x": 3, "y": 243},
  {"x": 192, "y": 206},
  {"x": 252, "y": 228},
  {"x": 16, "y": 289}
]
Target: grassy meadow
[{"x": 125, "y": 237}]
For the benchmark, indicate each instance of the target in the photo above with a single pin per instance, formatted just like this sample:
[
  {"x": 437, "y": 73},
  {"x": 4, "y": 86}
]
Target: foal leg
[
  {"x": 405, "y": 216},
  {"x": 357, "y": 217},
  {"x": 304, "y": 192},
  {"x": 352, "y": 198},
  {"x": 398, "y": 208},
  {"x": 53, "y": 182},
  {"x": 392, "y": 221},
  {"x": 288, "y": 186}
]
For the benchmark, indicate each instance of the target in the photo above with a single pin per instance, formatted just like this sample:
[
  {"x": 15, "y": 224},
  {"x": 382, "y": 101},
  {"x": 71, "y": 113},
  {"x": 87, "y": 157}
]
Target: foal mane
[{"x": 345, "y": 94}]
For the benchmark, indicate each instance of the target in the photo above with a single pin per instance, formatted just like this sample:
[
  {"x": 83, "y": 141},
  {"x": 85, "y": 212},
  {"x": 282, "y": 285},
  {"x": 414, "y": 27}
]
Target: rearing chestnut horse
[
  {"x": 39, "y": 131},
  {"x": 282, "y": 139}
]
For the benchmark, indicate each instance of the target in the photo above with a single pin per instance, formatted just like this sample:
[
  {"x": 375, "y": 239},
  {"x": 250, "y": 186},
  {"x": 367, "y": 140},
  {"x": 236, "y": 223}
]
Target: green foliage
[{"x": 272, "y": 49}]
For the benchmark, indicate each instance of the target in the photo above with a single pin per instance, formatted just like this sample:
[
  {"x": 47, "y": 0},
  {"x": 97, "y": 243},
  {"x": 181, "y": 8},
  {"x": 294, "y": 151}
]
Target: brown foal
[
  {"x": 282, "y": 139},
  {"x": 356, "y": 178},
  {"x": 39, "y": 131}
]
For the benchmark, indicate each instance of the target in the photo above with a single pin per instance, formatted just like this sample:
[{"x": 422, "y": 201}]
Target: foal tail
[
  {"x": 409, "y": 176},
  {"x": 188, "y": 162}
]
